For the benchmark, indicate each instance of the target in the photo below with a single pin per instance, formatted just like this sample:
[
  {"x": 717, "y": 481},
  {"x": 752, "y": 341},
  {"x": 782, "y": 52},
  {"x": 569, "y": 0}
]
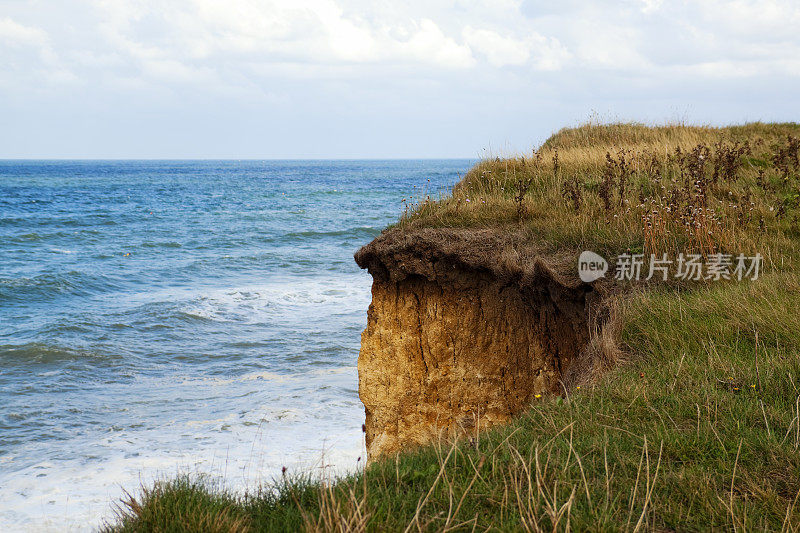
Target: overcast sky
[{"x": 377, "y": 78}]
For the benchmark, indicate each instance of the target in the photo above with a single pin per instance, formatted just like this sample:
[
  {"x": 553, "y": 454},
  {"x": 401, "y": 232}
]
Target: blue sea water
[{"x": 182, "y": 316}]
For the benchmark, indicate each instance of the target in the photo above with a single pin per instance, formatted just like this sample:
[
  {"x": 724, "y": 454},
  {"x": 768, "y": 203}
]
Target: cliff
[
  {"x": 476, "y": 305},
  {"x": 465, "y": 329}
]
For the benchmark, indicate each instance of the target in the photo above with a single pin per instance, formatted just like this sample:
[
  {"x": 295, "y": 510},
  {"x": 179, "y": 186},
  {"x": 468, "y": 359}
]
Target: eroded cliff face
[{"x": 451, "y": 345}]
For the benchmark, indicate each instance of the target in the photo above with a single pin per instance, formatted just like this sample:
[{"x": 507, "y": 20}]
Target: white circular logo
[{"x": 591, "y": 266}]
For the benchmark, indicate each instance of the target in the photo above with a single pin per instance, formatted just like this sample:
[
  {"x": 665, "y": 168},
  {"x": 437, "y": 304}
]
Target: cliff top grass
[
  {"x": 630, "y": 187},
  {"x": 696, "y": 428}
]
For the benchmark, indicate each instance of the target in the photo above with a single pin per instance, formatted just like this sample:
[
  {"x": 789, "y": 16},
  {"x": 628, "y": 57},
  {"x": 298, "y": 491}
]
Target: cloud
[
  {"x": 533, "y": 49},
  {"x": 235, "y": 42},
  {"x": 448, "y": 58},
  {"x": 427, "y": 43},
  {"x": 28, "y": 59},
  {"x": 498, "y": 50},
  {"x": 649, "y": 6},
  {"x": 276, "y": 31},
  {"x": 15, "y": 34}
]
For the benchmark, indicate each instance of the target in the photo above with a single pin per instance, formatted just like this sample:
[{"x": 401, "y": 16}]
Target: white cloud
[
  {"x": 15, "y": 34},
  {"x": 27, "y": 58},
  {"x": 532, "y": 49},
  {"x": 276, "y": 31},
  {"x": 292, "y": 54},
  {"x": 611, "y": 46},
  {"x": 428, "y": 44},
  {"x": 649, "y": 6},
  {"x": 222, "y": 42},
  {"x": 765, "y": 19},
  {"x": 498, "y": 50}
]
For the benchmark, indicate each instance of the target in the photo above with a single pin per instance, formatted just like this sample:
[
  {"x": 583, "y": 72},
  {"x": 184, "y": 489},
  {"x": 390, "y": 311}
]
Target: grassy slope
[{"x": 699, "y": 429}]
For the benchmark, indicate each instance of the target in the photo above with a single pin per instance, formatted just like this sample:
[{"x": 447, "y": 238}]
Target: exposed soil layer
[{"x": 465, "y": 328}]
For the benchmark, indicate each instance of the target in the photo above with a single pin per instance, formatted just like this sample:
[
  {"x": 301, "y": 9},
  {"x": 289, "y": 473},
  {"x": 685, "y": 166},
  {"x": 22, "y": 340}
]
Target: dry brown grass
[
  {"x": 656, "y": 190},
  {"x": 341, "y": 509}
]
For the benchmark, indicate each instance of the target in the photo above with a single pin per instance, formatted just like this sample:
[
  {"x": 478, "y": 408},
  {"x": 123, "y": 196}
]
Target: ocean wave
[
  {"x": 300, "y": 298},
  {"x": 300, "y": 379},
  {"x": 12, "y": 221},
  {"x": 356, "y": 232},
  {"x": 46, "y": 353},
  {"x": 26, "y": 237},
  {"x": 161, "y": 244},
  {"x": 45, "y": 286}
]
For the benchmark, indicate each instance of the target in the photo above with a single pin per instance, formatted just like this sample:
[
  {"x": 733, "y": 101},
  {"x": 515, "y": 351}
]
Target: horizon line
[{"x": 11, "y": 159}]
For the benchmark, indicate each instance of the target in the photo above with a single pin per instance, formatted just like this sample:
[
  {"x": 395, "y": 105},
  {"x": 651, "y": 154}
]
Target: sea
[{"x": 161, "y": 318}]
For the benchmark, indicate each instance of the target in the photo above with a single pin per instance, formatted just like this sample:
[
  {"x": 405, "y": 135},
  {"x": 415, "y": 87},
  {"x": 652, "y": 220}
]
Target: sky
[{"x": 269, "y": 79}]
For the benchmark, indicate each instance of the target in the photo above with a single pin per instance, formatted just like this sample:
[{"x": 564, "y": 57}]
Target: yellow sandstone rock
[{"x": 453, "y": 348}]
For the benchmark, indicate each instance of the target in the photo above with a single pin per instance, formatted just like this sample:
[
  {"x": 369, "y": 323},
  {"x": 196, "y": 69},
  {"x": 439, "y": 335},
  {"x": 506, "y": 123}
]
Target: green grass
[{"x": 699, "y": 429}]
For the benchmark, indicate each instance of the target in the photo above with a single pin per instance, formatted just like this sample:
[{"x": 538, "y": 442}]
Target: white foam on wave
[
  {"x": 269, "y": 376},
  {"x": 281, "y": 298},
  {"x": 240, "y": 429},
  {"x": 243, "y": 443}
]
